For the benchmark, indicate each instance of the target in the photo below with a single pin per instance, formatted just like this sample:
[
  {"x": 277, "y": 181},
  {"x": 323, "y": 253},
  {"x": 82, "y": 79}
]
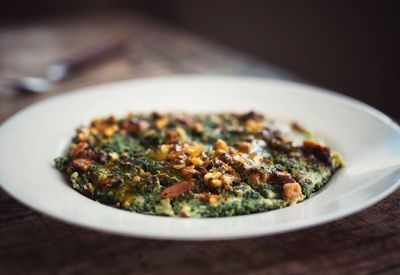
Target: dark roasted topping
[
  {"x": 251, "y": 115},
  {"x": 82, "y": 164},
  {"x": 321, "y": 152}
]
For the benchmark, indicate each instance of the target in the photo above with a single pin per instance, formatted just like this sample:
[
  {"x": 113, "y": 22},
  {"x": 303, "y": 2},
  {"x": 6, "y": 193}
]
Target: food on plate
[{"x": 197, "y": 165}]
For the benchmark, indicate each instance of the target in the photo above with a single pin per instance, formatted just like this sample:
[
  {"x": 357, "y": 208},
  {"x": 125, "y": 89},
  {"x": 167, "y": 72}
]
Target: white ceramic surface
[{"x": 31, "y": 139}]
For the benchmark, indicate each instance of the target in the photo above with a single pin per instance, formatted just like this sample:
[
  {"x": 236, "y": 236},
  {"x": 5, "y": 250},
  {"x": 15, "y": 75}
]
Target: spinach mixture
[{"x": 196, "y": 165}]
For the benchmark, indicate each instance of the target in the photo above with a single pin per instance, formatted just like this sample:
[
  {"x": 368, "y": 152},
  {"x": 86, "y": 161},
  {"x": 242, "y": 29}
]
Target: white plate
[{"x": 369, "y": 141}]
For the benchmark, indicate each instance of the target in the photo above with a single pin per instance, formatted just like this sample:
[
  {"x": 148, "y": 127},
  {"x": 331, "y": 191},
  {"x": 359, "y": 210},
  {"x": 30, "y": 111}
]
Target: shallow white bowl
[{"x": 369, "y": 141}]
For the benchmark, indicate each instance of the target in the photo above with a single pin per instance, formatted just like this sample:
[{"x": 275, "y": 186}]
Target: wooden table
[{"x": 30, "y": 243}]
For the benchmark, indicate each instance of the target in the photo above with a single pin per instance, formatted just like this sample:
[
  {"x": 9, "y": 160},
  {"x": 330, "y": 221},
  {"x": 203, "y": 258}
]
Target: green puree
[{"x": 200, "y": 165}]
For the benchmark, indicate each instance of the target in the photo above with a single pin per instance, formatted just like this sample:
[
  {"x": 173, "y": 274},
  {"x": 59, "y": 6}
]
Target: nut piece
[
  {"x": 197, "y": 128},
  {"x": 292, "y": 191},
  {"x": 135, "y": 125},
  {"x": 321, "y": 152},
  {"x": 196, "y": 161},
  {"x": 220, "y": 144},
  {"x": 109, "y": 131},
  {"x": 161, "y": 123},
  {"x": 78, "y": 149},
  {"x": 189, "y": 172},
  {"x": 251, "y": 115},
  {"x": 239, "y": 159},
  {"x": 213, "y": 198},
  {"x": 216, "y": 183},
  {"x": 113, "y": 180},
  {"x": 253, "y": 126},
  {"x": 227, "y": 179},
  {"x": 244, "y": 147},
  {"x": 82, "y": 164},
  {"x": 162, "y": 154},
  {"x": 257, "y": 176},
  {"x": 213, "y": 179},
  {"x": 83, "y": 134},
  {"x": 220, "y": 147},
  {"x": 182, "y": 136},
  {"x": 194, "y": 150}
]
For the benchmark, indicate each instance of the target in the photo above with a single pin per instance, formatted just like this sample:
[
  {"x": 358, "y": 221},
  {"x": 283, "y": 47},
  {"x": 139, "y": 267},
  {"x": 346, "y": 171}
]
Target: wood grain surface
[{"x": 30, "y": 243}]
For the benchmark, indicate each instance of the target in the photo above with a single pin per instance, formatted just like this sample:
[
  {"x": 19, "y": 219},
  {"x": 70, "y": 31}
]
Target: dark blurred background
[{"x": 348, "y": 46}]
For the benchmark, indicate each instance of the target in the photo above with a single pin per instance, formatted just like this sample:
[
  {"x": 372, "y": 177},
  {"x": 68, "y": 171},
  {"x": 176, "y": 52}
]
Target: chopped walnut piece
[
  {"x": 102, "y": 157},
  {"x": 177, "y": 156},
  {"x": 162, "y": 153},
  {"x": 238, "y": 158},
  {"x": 216, "y": 183},
  {"x": 161, "y": 123},
  {"x": 221, "y": 147},
  {"x": 109, "y": 131},
  {"x": 135, "y": 126},
  {"x": 244, "y": 147},
  {"x": 113, "y": 180},
  {"x": 279, "y": 178},
  {"x": 197, "y": 128},
  {"x": 253, "y": 126},
  {"x": 220, "y": 144},
  {"x": 255, "y": 177},
  {"x": 82, "y": 164},
  {"x": 184, "y": 120},
  {"x": 256, "y": 158},
  {"x": 251, "y": 115},
  {"x": 213, "y": 179},
  {"x": 281, "y": 144},
  {"x": 228, "y": 179},
  {"x": 292, "y": 191},
  {"x": 212, "y": 175},
  {"x": 318, "y": 150},
  {"x": 284, "y": 177},
  {"x": 111, "y": 119},
  {"x": 182, "y": 136},
  {"x": 157, "y": 115},
  {"x": 83, "y": 134},
  {"x": 196, "y": 161},
  {"x": 179, "y": 166},
  {"x": 214, "y": 198},
  {"x": 194, "y": 150},
  {"x": 189, "y": 172},
  {"x": 78, "y": 149},
  {"x": 172, "y": 137}
]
